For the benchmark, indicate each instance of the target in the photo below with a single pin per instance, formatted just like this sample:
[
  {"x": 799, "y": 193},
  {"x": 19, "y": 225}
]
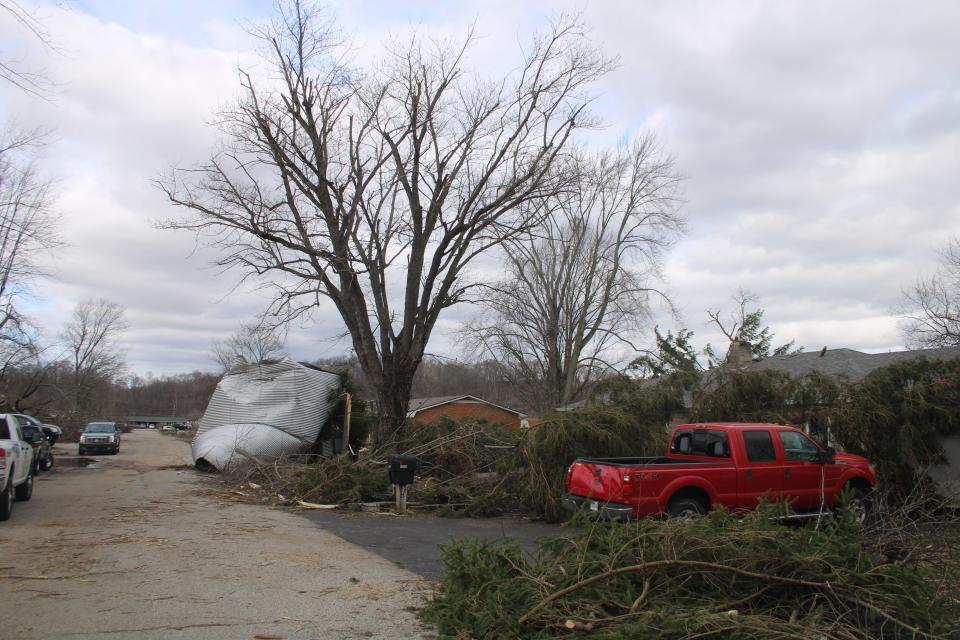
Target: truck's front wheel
[
  {"x": 856, "y": 501},
  {"x": 685, "y": 508}
]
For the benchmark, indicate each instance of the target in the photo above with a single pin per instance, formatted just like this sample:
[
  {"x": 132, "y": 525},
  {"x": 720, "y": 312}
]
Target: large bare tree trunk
[{"x": 376, "y": 190}]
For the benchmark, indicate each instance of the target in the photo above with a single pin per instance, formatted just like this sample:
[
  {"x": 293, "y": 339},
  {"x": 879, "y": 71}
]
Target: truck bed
[
  {"x": 630, "y": 486},
  {"x": 654, "y": 461}
]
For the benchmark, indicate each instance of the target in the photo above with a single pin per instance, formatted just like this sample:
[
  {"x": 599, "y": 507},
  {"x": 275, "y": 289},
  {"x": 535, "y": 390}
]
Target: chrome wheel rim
[{"x": 858, "y": 509}]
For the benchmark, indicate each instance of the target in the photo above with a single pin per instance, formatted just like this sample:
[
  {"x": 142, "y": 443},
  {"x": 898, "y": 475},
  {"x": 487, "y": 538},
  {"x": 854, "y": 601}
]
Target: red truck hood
[{"x": 852, "y": 459}]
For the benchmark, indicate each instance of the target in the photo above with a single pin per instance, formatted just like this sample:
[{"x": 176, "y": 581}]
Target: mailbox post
[{"x": 401, "y": 469}]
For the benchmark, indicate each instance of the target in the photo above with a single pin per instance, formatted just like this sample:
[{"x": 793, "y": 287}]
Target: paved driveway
[
  {"x": 140, "y": 546},
  {"x": 413, "y": 541}
]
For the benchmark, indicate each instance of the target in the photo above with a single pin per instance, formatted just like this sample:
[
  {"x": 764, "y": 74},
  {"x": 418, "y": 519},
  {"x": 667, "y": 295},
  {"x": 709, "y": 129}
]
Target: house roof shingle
[
  {"x": 419, "y": 404},
  {"x": 855, "y": 365}
]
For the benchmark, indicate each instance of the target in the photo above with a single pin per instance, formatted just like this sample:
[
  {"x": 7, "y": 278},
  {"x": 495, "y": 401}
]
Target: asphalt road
[
  {"x": 413, "y": 542},
  {"x": 140, "y": 546}
]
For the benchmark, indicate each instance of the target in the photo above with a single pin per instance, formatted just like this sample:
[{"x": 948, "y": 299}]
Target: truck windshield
[{"x": 99, "y": 427}]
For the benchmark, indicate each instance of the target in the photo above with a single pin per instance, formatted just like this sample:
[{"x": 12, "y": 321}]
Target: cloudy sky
[{"x": 820, "y": 142}]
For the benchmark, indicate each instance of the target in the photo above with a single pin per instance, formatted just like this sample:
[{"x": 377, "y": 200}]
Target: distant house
[
  {"x": 427, "y": 410},
  {"x": 854, "y": 365},
  {"x": 157, "y": 421}
]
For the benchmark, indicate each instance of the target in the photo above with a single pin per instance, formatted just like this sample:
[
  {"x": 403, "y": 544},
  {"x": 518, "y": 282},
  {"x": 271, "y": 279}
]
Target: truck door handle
[
  {"x": 749, "y": 474},
  {"x": 786, "y": 473}
]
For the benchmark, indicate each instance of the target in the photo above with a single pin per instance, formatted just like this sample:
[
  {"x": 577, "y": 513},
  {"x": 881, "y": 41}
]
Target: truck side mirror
[{"x": 828, "y": 456}]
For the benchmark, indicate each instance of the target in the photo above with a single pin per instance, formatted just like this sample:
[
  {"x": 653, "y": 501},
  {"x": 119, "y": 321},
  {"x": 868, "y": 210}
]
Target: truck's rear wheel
[
  {"x": 686, "y": 508},
  {"x": 6, "y": 499},
  {"x": 25, "y": 490}
]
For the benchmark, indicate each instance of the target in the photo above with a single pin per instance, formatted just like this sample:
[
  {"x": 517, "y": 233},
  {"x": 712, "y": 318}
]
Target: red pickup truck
[{"x": 729, "y": 464}]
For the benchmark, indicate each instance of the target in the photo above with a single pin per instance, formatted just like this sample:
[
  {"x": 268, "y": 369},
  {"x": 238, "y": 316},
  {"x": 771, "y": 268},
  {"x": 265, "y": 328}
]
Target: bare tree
[
  {"x": 578, "y": 287},
  {"x": 28, "y": 81},
  {"x": 253, "y": 342},
  {"x": 95, "y": 359},
  {"x": 27, "y": 230},
  {"x": 748, "y": 337},
  {"x": 931, "y": 308},
  {"x": 376, "y": 190}
]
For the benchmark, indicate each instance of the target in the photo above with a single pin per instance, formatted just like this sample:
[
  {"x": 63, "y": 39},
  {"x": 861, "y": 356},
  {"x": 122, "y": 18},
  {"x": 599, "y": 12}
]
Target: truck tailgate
[{"x": 597, "y": 481}]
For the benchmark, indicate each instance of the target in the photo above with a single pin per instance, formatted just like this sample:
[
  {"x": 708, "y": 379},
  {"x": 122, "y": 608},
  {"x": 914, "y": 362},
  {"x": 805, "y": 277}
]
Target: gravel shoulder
[{"x": 138, "y": 545}]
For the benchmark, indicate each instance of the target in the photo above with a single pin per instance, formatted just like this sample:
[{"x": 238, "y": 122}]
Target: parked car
[
  {"x": 42, "y": 449},
  {"x": 729, "y": 464},
  {"x": 100, "y": 437},
  {"x": 16, "y": 465},
  {"x": 53, "y": 432}
]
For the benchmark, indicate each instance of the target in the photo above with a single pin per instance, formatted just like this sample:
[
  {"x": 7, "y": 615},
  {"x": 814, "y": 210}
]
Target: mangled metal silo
[{"x": 265, "y": 410}]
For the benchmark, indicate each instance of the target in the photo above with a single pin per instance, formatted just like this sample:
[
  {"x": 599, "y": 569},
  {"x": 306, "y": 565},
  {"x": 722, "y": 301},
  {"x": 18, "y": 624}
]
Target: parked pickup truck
[
  {"x": 729, "y": 464},
  {"x": 16, "y": 465}
]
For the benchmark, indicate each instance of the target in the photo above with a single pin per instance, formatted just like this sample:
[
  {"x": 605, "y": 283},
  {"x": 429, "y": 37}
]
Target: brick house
[{"x": 427, "y": 410}]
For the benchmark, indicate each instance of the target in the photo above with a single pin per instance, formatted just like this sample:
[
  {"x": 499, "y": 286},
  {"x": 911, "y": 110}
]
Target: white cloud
[{"x": 819, "y": 139}]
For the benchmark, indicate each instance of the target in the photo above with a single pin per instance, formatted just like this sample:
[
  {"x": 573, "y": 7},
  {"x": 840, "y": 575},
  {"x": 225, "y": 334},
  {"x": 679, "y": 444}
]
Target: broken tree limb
[
  {"x": 823, "y": 586},
  {"x": 313, "y": 505}
]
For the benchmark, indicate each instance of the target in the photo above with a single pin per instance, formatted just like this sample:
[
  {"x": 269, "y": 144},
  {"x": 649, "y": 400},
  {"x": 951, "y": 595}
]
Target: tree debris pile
[
  {"x": 921, "y": 527},
  {"x": 464, "y": 468},
  {"x": 467, "y": 467},
  {"x": 333, "y": 481},
  {"x": 475, "y": 468},
  {"x": 715, "y": 576}
]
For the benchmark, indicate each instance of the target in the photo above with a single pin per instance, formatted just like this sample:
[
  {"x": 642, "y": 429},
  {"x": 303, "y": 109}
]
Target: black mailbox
[{"x": 401, "y": 468}]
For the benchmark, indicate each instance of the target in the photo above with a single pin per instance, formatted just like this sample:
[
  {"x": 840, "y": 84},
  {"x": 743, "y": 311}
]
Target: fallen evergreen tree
[
  {"x": 715, "y": 576},
  {"x": 896, "y": 415}
]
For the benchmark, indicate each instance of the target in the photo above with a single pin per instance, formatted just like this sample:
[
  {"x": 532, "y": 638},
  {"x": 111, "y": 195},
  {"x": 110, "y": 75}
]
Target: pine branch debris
[{"x": 717, "y": 576}]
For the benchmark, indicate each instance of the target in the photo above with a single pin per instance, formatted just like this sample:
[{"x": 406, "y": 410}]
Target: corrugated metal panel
[
  {"x": 219, "y": 446},
  {"x": 286, "y": 395}
]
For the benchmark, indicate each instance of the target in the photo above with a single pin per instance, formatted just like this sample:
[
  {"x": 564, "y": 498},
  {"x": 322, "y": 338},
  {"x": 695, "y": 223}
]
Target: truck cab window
[
  {"x": 701, "y": 442},
  {"x": 710, "y": 443},
  {"x": 796, "y": 446},
  {"x": 717, "y": 444},
  {"x": 682, "y": 442},
  {"x": 759, "y": 446}
]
